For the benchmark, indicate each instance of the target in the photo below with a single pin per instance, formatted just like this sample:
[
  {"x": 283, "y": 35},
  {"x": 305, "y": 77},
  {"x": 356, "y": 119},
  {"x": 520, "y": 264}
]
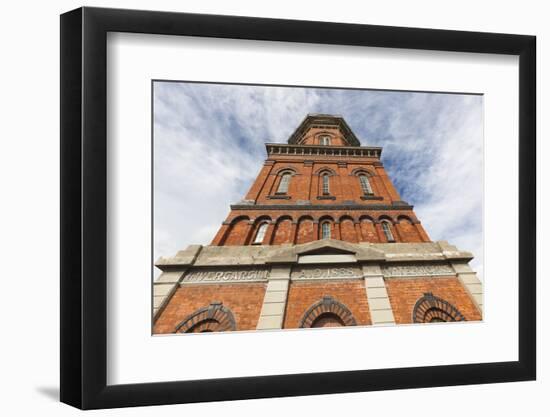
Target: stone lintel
[{"x": 324, "y": 259}]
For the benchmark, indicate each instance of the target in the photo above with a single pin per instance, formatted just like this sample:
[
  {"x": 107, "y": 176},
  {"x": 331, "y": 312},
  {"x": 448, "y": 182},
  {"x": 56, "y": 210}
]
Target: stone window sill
[
  {"x": 371, "y": 197},
  {"x": 326, "y": 197},
  {"x": 278, "y": 197}
]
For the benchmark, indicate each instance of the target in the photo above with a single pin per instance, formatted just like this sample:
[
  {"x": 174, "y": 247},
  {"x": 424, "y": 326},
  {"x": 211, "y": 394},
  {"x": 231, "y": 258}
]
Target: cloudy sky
[{"x": 209, "y": 146}]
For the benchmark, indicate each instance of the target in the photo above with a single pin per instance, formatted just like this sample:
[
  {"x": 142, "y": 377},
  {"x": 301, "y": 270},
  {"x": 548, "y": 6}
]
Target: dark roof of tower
[{"x": 322, "y": 120}]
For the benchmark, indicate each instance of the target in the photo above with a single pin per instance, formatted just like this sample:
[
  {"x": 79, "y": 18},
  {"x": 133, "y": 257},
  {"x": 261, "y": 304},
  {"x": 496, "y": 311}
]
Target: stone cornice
[
  {"x": 399, "y": 259},
  {"x": 322, "y": 207},
  {"x": 318, "y": 150},
  {"x": 323, "y": 121}
]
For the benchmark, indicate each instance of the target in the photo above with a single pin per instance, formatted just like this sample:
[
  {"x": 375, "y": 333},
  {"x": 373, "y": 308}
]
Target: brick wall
[
  {"x": 305, "y": 185},
  {"x": 244, "y": 300},
  {"x": 283, "y": 232},
  {"x": 408, "y": 232},
  {"x": 306, "y": 231},
  {"x": 302, "y": 295},
  {"x": 404, "y": 293},
  {"x": 348, "y": 225}
]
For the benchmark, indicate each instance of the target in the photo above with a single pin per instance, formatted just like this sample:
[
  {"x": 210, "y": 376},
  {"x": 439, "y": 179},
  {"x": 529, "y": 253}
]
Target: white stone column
[
  {"x": 276, "y": 293},
  {"x": 381, "y": 312},
  {"x": 471, "y": 282},
  {"x": 163, "y": 289}
]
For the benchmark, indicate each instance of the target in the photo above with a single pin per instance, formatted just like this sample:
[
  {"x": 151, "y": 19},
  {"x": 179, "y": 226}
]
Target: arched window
[
  {"x": 325, "y": 230},
  {"x": 386, "y": 228},
  {"x": 328, "y": 320},
  {"x": 365, "y": 184},
  {"x": 432, "y": 309},
  {"x": 326, "y": 184},
  {"x": 283, "y": 184},
  {"x": 327, "y": 312},
  {"x": 212, "y": 318},
  {"x": 324, "y": 140},
  {"x": 260, "y": 234}
]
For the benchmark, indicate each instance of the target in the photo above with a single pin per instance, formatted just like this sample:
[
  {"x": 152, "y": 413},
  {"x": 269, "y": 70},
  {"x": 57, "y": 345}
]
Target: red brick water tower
[{"x": 321, "y": 239}]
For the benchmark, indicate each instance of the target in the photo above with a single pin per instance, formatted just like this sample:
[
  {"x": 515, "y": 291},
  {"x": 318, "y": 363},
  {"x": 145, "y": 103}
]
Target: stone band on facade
[
  {"x": 320, "y": 261},
  {"x": 322, "y": 207}
]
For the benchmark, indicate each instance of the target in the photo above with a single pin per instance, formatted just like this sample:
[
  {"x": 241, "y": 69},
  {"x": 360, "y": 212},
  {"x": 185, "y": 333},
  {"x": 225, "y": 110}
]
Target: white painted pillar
[
  {"x": 381, "y": 312},
  {"x": 163, "y": 289},
  {"x": 471, "y": 282},
  {"x": 276, "y": 293}
]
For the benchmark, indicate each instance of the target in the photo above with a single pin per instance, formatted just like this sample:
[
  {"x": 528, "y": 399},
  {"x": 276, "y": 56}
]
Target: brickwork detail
[
  {"x": 328, "y": 307},
  {"x": 303, "y": 294},
  {"x": 325, "y": 192},
  {"x": 306, "y": 230},
  {"x": 404, "y": 293},
  {"x": 214, "y": 318},
  {"x": 430, "y": 309},
  {"x": 329, "y": 151},
  {"x": 244, "y": 301}
]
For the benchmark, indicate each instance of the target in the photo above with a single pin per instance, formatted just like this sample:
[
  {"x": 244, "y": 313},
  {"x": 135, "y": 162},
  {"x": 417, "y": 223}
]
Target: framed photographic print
[{"x": 258, "y": 207}]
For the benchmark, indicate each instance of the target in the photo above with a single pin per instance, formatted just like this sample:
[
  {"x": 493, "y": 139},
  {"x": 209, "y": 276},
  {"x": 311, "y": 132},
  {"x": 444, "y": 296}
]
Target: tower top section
[{"x": 323, "y": 129}]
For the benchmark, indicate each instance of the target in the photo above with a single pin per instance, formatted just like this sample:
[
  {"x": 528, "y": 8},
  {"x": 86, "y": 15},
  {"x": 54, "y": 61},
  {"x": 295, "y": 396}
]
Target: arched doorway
[
  {"x": 432, "y": 309},
  {"x": 212, "y": 318},
  {"x": 327, "y": 312},
  {"x": 328, "y": 320}
]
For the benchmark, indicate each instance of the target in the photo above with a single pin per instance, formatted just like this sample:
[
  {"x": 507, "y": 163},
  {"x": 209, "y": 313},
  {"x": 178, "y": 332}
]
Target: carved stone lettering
[
  {"x": 417, "y": 270},
  {"x": 226, "y": 275},
  {"x": 305, "y": 273}
]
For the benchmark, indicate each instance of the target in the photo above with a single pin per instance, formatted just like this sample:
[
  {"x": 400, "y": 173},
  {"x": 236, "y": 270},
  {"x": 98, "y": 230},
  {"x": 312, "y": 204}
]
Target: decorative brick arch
[
  {"x": 407, "y": 229},
  {"x": 305, "y": 229},
  {"x": 283, "y": 230},
  {"x": 348, "y": 232},
  {"x": 323, "y": 133},
  {"x": 213, "y": 318},
  {"x": 327, "y": 306},
  {"x": 238, "y": 231},
  {"x": 385, "y": 217},
  {"x": 366, "y": 217},
  {"x": 262, "y": 219},
  {"x": 325, "y": 170},
  {"x": 404, "y": 217},
  {"x": 326, "y": 217},
  {"x": 362, "y": 171},
  {"x": 286, "y": 170},
  {"x": 430, "y": 308}
]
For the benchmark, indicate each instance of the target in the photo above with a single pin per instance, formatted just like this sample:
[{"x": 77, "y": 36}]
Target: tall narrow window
[
  {"x": 324, "y": 140},
  {"x": 387, "y": 232},
  {"x": 325, "y": 230},
  {"x": 365, "y": 184},
  {"x": 260, "y": 234},
  {"x": 283, "y": 185},
  {"x": 326, "y": 188}
]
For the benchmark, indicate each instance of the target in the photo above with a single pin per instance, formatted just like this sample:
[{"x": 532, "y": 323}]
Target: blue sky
[{"x": 209, "y": 146}]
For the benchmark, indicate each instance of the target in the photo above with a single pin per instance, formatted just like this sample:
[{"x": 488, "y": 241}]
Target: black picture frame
[{"x": 84, "y": 207}]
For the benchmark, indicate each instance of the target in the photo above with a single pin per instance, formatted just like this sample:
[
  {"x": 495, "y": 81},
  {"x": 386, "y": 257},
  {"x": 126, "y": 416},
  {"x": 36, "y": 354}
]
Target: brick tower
[{"x": 322, "y": 239}]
